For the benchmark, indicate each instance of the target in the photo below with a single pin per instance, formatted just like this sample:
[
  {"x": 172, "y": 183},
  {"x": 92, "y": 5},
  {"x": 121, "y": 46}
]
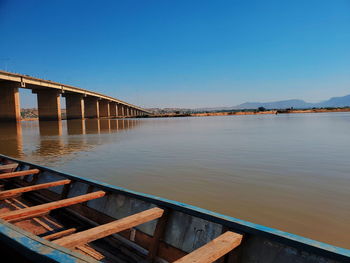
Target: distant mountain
[
  {"x": 296, "y": 104},
  {"x": 335, "y": 102},
  {"x": 283, "y": 104}
]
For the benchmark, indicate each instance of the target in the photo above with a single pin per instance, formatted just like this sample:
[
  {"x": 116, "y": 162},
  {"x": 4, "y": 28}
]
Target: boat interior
[
  {"x": 50, "y": 216},
  {"x": 68, "y": 222}
]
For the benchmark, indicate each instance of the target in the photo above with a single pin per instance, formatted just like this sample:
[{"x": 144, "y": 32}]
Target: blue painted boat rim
[
  {"x": 238, "y": 225},
  {"x": 35, "y": 247}
]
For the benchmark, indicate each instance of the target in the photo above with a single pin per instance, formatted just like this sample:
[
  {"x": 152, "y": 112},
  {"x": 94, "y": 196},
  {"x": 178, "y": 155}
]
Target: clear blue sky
[{"x": 182, "y": 53}]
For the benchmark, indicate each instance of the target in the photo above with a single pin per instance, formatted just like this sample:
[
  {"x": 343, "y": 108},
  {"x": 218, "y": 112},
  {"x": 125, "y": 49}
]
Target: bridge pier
[
  {"x": 10, "y": 109},
  {"x": 103, "y": 108},
  {"x": 74, "y": 106},
  {"x": 127, "y": 109},
  {"x": 49, "y": 104},
  {"x": 91, "y": 107},
  {"x": 113, "y": 109},
  {"x": 122, "y": 114},
  {"x": 120, "y": 110}
]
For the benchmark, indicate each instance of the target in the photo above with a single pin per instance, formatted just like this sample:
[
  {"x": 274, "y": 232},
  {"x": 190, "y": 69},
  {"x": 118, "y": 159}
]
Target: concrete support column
[
  {"x": 74, "y": 106},
  {"x": 127, "y": 111},
  {"x": 113, "y": 109},
  {"x": 124, "y": 110},
  {"x": 120, "y": 110},
  {"x": 49, "y": 104},
  {"x": 10, "y": 109},
  {"x": 91, "y": 106},
  {"x": 104, "y": 108}
]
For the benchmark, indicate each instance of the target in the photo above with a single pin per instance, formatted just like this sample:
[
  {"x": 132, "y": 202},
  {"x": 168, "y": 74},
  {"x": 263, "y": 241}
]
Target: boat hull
[{"x": 188, "y": 227}]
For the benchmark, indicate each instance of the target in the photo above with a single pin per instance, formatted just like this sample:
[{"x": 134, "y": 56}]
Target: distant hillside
[
  {"x": 297, "y": 104},
  {"x": 335, "y": 102},
  {"x": 283, "y": 104},
  {"x": 275, "y": 105}
]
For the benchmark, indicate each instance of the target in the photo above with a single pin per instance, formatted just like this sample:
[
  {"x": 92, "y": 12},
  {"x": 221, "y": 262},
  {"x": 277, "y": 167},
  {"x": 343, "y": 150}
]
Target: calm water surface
[{"x": 290, "y": 172}]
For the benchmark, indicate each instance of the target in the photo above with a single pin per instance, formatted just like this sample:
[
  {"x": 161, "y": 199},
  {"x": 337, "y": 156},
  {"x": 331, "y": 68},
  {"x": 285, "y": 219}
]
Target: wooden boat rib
[{"x": 49, "y": 216}]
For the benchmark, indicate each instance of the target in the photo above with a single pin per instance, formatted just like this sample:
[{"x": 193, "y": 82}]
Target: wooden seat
[
  {"x": 214, "y": 250},
  {"x": 17, "y": 191},
  {"x": 43, "y": 209},
  {"x": 108, "y": 229},
  {"x": 60, "y": 234},
  {"x": 19, "y": 173}
]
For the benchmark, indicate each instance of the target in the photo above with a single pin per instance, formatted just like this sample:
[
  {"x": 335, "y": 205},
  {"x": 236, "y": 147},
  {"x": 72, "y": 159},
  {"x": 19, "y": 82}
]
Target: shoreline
[
  {"x": 206, "y": 114},
  {"x": 227, "y": 113}
]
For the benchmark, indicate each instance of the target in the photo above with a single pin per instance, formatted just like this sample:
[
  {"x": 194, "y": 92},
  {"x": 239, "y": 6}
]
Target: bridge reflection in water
[{"x": 53, "y": 138}]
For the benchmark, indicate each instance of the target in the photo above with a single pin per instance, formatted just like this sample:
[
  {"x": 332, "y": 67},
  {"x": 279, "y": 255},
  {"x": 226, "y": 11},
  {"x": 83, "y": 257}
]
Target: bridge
[{"x": 80, "y": 103}]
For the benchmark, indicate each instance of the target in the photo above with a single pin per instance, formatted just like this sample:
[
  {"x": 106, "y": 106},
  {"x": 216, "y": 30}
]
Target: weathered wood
[
  {"x": 158, "y": 234},
  {"x": 214, "y": 249},
  {"x": 88, "y": 191},
  {"x": 109, "y": 228},
  {"x": 35, "y": 211},
  {"x": 8, "y": 166},
  {"x": 37, "y": 220},
  {"x": 14, "y": 192},
  {"x": 35, "y": 214},
  {"x": 19, "y": 173},
  {"x": 47, "y": 219},
  {"x": 165, "y": 251},
  {"x": 90, "y": 252},
  {"x": 60, "y": 234}
]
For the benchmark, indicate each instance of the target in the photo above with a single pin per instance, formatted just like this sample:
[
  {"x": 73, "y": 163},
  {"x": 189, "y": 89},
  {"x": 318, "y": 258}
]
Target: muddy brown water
[{"x": 290, "y": 172}]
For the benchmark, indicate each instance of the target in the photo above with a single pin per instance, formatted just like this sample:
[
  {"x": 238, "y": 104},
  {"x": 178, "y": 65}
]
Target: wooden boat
[{"x": 49, "y": 216}]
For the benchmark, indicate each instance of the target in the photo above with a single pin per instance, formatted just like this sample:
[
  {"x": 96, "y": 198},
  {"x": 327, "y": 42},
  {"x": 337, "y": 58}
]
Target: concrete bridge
[{"x": 80, "y": 103}]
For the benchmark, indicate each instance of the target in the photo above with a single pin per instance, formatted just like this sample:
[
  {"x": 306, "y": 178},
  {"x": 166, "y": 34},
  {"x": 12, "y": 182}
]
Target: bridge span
[{"x": 80, "y": 103}]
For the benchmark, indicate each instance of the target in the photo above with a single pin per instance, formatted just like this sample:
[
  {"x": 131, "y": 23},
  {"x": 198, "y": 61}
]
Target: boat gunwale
[{"x": 238, "y": 225}]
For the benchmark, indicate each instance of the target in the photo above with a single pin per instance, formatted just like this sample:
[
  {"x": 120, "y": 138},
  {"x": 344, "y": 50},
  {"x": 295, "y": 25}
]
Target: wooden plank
[
  {"x": 13, "y": 192},
  {"x": 8, "y": 166},
  {"x": 158, "y": 234},
  {"x": 109, "y": 228},
  {"x": 60, "y": 234},
  {"x": 90, "y": 252},
  {"x": 19, "y": 173},
  {"x": 214, "y": 249},
  {"x": 165, "y": 251},
  {"x": 34, "y": 215},
  {"x": 37, "y": 220},
  {"x": 42, "y": 219},
  {"x": 34, "y": 211}
]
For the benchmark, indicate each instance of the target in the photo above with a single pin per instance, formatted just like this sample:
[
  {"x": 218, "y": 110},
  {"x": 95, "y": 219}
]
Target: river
[{"x": 287, "y": 171}]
